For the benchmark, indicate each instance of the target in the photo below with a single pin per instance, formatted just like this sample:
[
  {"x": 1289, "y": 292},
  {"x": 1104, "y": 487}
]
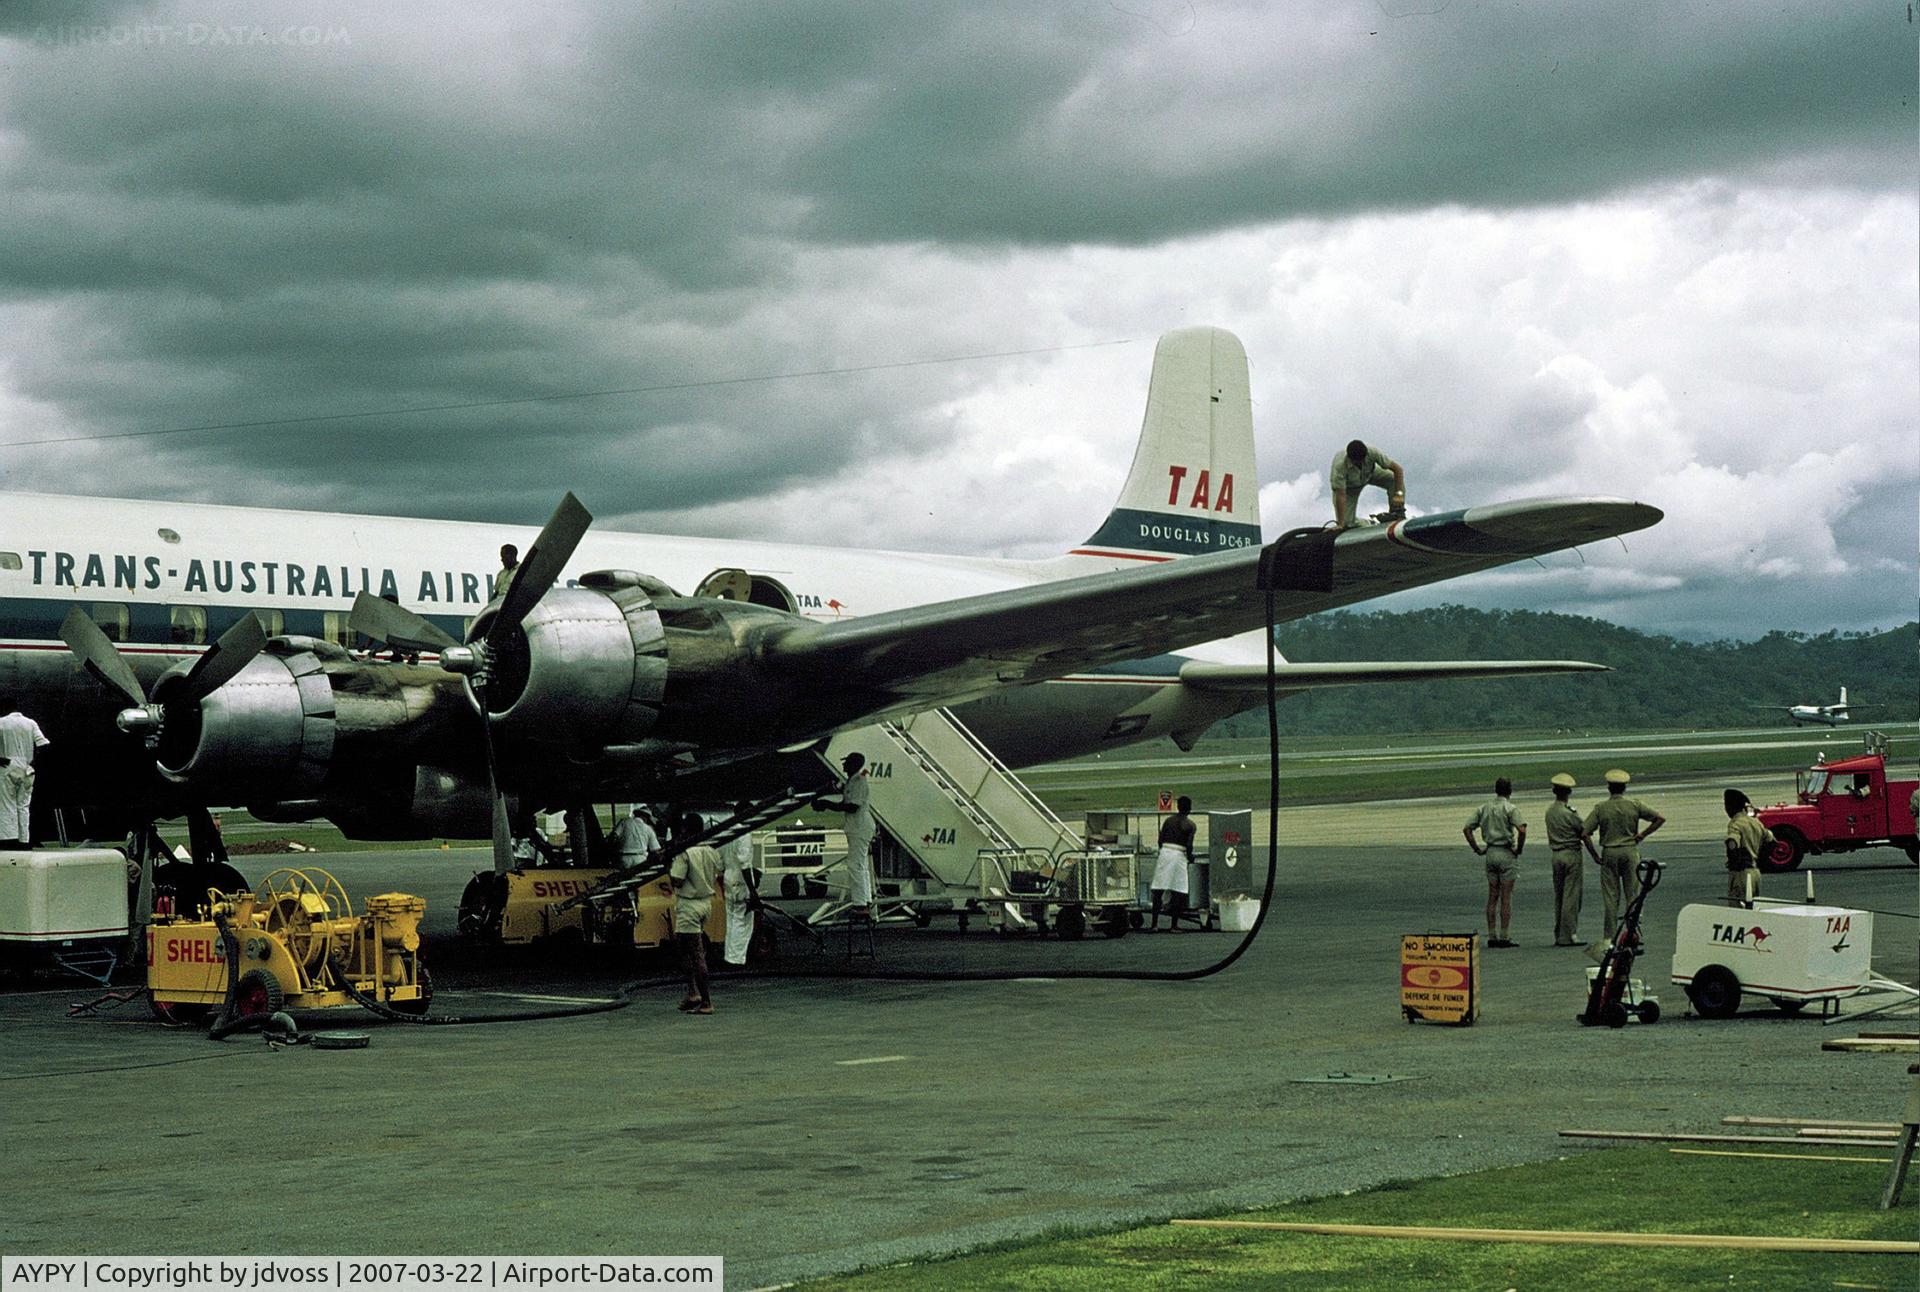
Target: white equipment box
[
  {"x": 58, "y": 896},
  {"x": 1789, "y": 954}
]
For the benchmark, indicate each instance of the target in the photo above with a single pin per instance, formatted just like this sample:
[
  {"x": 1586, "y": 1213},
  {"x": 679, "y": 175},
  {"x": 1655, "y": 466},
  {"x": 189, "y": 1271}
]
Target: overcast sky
[{"x": 1661, "y": 250}]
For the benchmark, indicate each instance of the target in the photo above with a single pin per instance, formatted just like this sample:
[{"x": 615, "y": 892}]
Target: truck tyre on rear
[{"x": 1715, "y": 992}]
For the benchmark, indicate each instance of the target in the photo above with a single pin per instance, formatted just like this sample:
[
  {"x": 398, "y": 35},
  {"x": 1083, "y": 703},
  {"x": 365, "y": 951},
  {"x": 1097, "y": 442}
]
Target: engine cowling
[
  {"x": 273, "y": 724},
  {"x": 622, "y": 663},
  {"x": 304, "y": 720}
]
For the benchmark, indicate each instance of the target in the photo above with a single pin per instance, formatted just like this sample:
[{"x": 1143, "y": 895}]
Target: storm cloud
[{"x": 1658, "y": 250}]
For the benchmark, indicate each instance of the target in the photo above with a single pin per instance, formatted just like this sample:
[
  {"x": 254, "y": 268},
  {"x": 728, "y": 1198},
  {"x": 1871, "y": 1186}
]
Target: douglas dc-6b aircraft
[{"x": 594, "y": 678}]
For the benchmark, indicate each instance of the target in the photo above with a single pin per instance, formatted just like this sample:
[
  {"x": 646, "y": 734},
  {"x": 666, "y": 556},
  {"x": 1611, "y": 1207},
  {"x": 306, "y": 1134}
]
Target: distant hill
[{"x": 1657, "y": 682}]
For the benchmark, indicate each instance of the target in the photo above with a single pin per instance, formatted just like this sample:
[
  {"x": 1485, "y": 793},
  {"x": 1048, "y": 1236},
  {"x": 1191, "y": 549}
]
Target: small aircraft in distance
[{"x": 1825, "y": 715}]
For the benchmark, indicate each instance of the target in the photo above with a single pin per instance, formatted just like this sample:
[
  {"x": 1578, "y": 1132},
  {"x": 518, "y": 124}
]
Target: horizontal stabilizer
[{"x": 1237, "y": 678}]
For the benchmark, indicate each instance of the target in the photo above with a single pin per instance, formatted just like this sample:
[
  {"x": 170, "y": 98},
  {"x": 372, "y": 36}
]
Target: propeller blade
[
  {"x": 223, "y": 660},
  {"x": 545, "y": 559},
  {"x": 96, "y": 651},
  {"x": 502, "y": 832},
  {"x": 395, "y": 625}
]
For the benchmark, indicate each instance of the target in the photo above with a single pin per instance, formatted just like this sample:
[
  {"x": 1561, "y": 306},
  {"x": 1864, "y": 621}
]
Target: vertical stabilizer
[{"x": 1192, "y": 489}]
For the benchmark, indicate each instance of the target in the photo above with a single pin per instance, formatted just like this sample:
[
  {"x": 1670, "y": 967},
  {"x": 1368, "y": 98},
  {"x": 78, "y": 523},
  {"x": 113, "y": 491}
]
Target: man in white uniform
[
  {"x": 736, "y": 858},
  {"x": 636, "y": 837},
  {"x": 855, "y": 795},
  {"x": 20, "y": 736}
]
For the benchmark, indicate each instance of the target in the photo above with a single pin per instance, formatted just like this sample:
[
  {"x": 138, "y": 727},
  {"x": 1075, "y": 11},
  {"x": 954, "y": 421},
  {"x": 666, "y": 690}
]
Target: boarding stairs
[{"x": 947, "y": 801}]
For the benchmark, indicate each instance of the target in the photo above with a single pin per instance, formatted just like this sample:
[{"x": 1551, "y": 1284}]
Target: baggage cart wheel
[
  {"x": 963, "y": 921},
  {"x": 1114, "y": 924},
  {"x": 1613, "y": 1014},
  {"x": 257, "y": 992},
  {"x": 1139, "y": 921},
  {"x": 1715, "y": 992},
  {"x": 923, "y": 919},
  {"x": 1070, "y": 923},
  {"x": 1650, "y": 1012},
  {"x": 1787, "y": 1004}
]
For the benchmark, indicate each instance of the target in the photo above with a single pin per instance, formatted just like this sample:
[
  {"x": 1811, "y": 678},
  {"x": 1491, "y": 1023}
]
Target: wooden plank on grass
[
  {"x": 1574, "y": 1237},
  {"x": 1847, "y": 1132},
  {"x": 1823, "y": 1122},
  {"x": 1872, "y": 1045},
  {"x": 1785, "y": 1157},
  {"x": 1678, "y": 1137}
]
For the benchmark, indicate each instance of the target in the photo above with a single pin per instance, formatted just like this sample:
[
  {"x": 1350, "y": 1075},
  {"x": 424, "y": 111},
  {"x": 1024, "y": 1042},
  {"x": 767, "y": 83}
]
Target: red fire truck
[{"x": 1841, "y": 806}]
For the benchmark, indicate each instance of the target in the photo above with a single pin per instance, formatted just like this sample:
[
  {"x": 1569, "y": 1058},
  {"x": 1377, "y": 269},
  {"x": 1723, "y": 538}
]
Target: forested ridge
[{"x": 1657, "y": 682}]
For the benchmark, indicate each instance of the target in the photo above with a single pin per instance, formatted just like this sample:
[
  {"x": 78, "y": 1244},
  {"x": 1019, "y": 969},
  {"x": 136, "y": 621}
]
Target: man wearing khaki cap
[
  {"x": 1566, "y": 836},
  {"x": 1616, "y": 822}
]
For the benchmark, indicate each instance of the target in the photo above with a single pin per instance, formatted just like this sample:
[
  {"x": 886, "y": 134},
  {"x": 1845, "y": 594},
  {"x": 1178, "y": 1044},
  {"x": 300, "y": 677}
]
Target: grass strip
[{"x": 1614, "y": 1189}]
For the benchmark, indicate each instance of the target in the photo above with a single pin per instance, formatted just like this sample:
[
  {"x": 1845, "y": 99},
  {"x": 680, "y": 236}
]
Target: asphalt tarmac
[{"x": 818, "y": 1124}]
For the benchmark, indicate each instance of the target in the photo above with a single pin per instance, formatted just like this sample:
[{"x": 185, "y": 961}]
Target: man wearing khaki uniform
[
  {"x": 1616, "y": 822},
  {"x": 1747, "y": 842},
  {"x": 1499, "y": 823},
  {"x": 1354, "y": 468},
  {"x": 1566, "y": 837}
]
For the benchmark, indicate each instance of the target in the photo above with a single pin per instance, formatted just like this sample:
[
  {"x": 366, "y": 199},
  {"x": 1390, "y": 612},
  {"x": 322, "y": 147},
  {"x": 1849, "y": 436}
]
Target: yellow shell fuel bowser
[
  {"x": 529, "y": 905},
  {"x": 299, "y": 945}
]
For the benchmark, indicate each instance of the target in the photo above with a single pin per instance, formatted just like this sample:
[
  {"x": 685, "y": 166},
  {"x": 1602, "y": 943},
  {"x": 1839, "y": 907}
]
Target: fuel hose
[{"x": 1300, "y": 559}]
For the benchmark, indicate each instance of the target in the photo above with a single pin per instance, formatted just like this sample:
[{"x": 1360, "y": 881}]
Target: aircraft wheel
[
  {"x": 257, "y": 992},
  {"x": 1789, "y": 846},
  {"x": 1715, "y": 992}
]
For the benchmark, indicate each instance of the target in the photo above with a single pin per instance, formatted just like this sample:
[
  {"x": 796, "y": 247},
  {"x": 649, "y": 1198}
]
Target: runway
[{"x": 817, "y": 1125}]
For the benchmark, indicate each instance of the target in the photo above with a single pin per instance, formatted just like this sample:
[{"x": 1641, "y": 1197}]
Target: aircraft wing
[
  {"x": 1250, "y": 678},
  {"x": 952, "y": 651}
]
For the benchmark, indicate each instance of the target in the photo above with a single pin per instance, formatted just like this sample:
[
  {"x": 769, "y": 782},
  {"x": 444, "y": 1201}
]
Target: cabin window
[
  {"x": 169, "y": 535},
  {"x": 9, "y": 560},
  {"x": 115, "y": 620},
  {"x": 189, "y": 624},
  {"x": 334, "y": 627},
  {"x": 272, "y": 621}
]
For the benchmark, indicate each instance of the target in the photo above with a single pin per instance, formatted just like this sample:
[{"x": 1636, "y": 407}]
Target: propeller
[
  {"x": 219, "y": 664},
  {"x": 98, "y": 655},
  {"x": 536, "y": 576},
  {"x": 394, "y": 624}
]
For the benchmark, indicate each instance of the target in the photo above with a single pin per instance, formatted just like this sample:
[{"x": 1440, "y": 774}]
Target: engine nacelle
[
  {"x": 304, "y": 720},
  {"x": 273, "y": 725},
  {"x": 587, "y": 667},
  {"x": 623, "y": 668}
]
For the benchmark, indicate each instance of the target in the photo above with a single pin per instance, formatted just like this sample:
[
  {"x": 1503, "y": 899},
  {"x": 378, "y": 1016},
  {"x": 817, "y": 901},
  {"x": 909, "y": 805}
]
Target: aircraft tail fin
[
  {"x": 1193, "y": 487},
  {"x": 1843, "y": 697}
]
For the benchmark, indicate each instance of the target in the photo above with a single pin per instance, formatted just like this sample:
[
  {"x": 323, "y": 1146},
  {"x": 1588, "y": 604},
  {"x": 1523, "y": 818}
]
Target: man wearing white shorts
[{"x": 20, "y": 738}]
